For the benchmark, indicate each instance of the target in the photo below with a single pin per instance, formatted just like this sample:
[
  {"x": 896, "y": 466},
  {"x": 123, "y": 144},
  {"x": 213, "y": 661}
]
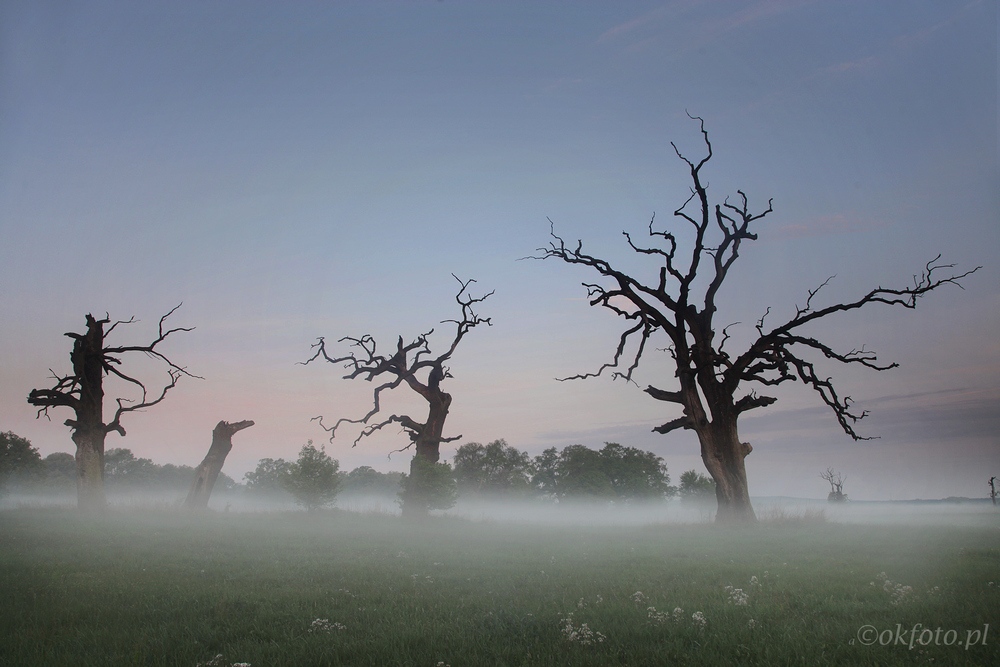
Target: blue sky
[{"x": 297, "y": 170}]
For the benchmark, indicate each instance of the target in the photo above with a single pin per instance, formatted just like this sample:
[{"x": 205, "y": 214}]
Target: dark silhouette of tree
[
  {"x": 993, "y": 490},
  {"x": 314, "y": 478},
  {"x": 208, "y": 470},
  {"x": 268, "y": 477},
  {"x": 613, "y": 474},
  {"x": 414, "y": 365},
  {"x": 18, "y": 457},
  {"x": 681, "y": 303},
  {"x": 59, "y": 472},
  {"x": 365, "y": 480},
  {"x": 836, "y": 481},
  {"x": 83, "y": 391},
  {"x": 696, "y": 488},
  {"x": 496, "y": 469}
]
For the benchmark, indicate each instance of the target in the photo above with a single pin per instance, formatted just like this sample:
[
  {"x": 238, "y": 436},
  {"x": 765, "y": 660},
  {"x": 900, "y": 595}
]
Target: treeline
[
  {"x": 122, "y": 471},
  {"x": 495, "y": 471},
  {"x": 615, "y": 473}
]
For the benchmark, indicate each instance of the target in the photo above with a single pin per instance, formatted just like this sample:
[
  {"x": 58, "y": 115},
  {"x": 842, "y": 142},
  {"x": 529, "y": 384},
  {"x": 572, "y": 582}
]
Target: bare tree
[
  {"x": 406, "y": 365},
  {"x": 83, "y": 391},
  {"x": 837, "y": 494},
  {"x": 208, "y": 471},
  {"x": 993, "y": 490},
  {"x": 681, "y": 303}
]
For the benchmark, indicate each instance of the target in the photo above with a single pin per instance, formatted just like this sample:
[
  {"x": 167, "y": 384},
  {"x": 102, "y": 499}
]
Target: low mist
[{"x": 950, "y": 512}]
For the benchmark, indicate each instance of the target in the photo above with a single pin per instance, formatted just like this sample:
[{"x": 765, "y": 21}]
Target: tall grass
[{"x": 157, "y": 587}]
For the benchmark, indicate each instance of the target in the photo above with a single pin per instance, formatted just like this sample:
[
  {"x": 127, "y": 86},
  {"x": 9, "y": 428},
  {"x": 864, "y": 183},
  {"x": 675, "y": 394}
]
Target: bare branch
[
  {"x": 680, "y": 422},
  {"x": 404, "y": 366},
  {"x": 115, "y": 424}
]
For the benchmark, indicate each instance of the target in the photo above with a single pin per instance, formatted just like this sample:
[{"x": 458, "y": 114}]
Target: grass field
[{"x": 158, "y": 587}]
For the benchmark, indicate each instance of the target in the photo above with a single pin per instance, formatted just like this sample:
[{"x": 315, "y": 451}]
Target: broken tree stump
[{"x": 208, "y": 471}]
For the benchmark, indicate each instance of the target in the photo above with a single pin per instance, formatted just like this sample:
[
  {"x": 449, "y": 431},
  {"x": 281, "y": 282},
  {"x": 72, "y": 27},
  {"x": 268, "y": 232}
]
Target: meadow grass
[{"x": 160, "y": 587}]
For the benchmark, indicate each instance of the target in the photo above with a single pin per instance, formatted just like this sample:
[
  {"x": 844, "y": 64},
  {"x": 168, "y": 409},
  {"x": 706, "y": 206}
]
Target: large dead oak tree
[
  {"x": 414, "y": 365},
  {"x": 681, "y": 303},
  {"x": 83, "y": 391}
]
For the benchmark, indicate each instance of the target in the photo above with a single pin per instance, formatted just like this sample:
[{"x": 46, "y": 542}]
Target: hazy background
[{"x": 298, "y": 170}]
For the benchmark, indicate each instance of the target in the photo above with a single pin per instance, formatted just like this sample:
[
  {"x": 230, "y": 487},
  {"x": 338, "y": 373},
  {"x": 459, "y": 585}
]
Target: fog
[{"x": 773, "y": 510}]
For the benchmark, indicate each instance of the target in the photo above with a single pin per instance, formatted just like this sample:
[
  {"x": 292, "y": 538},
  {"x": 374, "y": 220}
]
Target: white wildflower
[
  {"x": 324, "y": 625},
  {"x": 754, "y": 582},
  {"x": 658, "y": 617},
  {"x": 581, "y": 634},
  {"x": 698, "y": 620},
  {"x": 638, "y": 597},
  {"x": 737, "y": 596},
  {"x": 678, "y": 614},
  {"x": 751, "y": 624}
]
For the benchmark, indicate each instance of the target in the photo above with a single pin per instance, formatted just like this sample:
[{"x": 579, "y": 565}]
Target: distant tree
[
  {"x": 59, "y": 471},
  {"x": 123, "y": 470},
  {"x": 314, "y": 479},
  {"x": 544, "y": 478},
  {"x": 613, "y": 474},
  {"x": 365, "y": 480},
  {"x": 404, "y": 365},
  {"x": 993, "y": 490},
  {"x": 17, "y": 458},
  {"x": 580, "y": 474},
  {"x": 696, "y": 488},
  {"x": 679, "y": 302},
  {"x": 636, "y": 474},
  {"x": 83, "y": 391},
  {"x": 429, "y": 486},
  {"x": 268, "y": 477},
  {"x": 837, "y": 494},
  {"x": 492, "y": 470},
  {"x": 207, "y": 473}
]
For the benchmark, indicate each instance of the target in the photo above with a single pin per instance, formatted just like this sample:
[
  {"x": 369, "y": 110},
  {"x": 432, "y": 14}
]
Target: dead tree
[
  {"x": 83, "y": 391},
  {"x": 406, "y": 365},
  {"x": 680, "y": 302},
  {"x": 993, "y": 490},
  {"x": 209, "y": 469},
  {"x": 837, "y": 494}
]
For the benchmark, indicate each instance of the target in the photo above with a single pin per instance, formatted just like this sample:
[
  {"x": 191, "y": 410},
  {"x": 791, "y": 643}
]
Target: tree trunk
[
  {"x": 427, "y": 446},
  {"x": 723, "y": 454},
  {"x": 90, "y": 469},
  {"x": 208, "y": 472}
]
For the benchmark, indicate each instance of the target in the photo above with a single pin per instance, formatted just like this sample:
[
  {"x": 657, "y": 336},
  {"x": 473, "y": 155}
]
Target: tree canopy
[
  {"x": 493, "y": 469},
  {"x": 17, "y": 458},
  {"x": 313, "y": 479},
  {"x": 615, "y": 473}
]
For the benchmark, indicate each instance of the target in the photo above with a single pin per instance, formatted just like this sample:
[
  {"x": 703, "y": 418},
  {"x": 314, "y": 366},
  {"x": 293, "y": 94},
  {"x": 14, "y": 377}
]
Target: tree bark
[
  {"x": 208, "y": 471},
  {"x": 90, "y": 469},
  {"x": 427, "y": 448},
  {"x": 724, "y": 455},
  {"x": 89, "y": 429}
]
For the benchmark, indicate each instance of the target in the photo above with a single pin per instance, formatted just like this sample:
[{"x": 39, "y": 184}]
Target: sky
[{"x": 295, "y": 170}]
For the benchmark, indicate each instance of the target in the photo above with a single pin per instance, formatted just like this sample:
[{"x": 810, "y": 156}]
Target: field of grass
[{"x": 159, "y": 587}]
